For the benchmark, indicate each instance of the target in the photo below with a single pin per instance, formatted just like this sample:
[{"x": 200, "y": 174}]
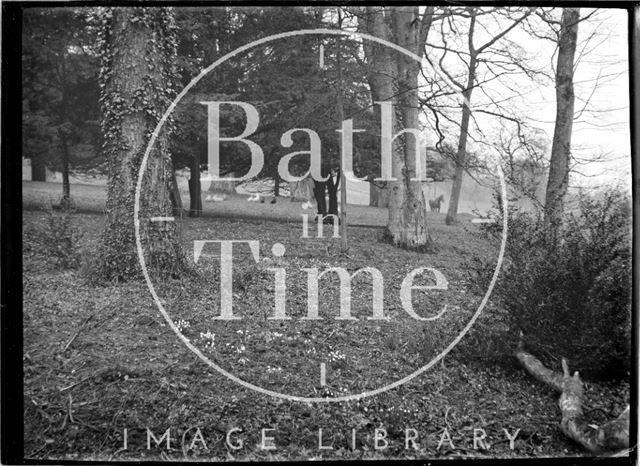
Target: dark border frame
[{"x": 11, "y": 368}]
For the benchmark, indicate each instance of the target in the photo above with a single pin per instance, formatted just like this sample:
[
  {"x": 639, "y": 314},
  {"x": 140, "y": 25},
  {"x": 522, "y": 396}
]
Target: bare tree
[
  {"x": 473, "y": 57},
  {"x": 558, "y": 180},
  {"x": 589, "y": 107}
]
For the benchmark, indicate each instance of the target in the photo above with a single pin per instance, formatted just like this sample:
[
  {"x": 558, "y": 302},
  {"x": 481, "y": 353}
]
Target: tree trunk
[
  {"x": 65, "y": 202},
  {"x": 344, "y": 244},
  {"x": 276, "y": 185},
  {"x": 377, "y": 195},
  {"x": 558, "y": 181},
  {"x": 394, "y": 78},
  {"x": 461, "y": 153},
  {"x": 613, "y": 435},
  {"x": 635, "y": 101},
  {"x": 382, "y": 73},
  {"x": 38, "y": 170},
  {"x": 332, "y": 189},
  {"x": 344, "y": 240},
  {"x": 176, "y": 199},
  {"x": 136, "y": 49},
  {"x": 195, "y": 188},
  {"x": 371, "y": 22},
  {"x": 412, "y": 232}
]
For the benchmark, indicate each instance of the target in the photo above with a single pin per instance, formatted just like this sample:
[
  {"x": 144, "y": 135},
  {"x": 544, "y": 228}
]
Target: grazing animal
[
  {"x": 254, "y": 198},
  {"x": 434, "y": 204}
]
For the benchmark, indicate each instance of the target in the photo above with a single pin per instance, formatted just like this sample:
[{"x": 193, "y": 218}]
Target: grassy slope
[{"x": 126, "y": 368}]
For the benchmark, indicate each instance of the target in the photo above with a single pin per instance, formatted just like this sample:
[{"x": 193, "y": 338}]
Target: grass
[
  {"x": 125, "y": 368},
  {"x": 92, "y": 198}
]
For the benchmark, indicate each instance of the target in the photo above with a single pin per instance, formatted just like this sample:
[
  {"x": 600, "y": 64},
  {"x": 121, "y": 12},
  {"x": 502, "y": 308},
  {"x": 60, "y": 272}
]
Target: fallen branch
[
  {"x": 614, "y": 435},
  {"x": 70, "y": 409},
  {"x": 76, "y": 384},
  {"x": 75, "y": 335}
]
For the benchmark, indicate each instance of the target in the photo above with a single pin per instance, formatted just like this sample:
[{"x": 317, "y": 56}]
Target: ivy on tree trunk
[{"x": 138, "y": 50}]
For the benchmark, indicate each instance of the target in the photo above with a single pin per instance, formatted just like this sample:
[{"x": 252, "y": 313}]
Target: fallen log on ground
[{"x": 614, "y": 435}]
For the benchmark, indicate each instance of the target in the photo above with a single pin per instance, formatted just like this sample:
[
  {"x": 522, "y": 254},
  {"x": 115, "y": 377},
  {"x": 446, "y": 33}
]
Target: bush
[
  {"x": 59, "y": 239},
  {"x": 570, "y": 296}
]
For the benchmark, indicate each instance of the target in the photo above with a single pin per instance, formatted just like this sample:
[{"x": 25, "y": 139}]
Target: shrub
[
  {"x": 570, "y": 296},
  {"x": 59, "y": 239}
]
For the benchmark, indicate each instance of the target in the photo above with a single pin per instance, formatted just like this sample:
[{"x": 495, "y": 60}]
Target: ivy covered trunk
[{"x": 137, "y": 47}]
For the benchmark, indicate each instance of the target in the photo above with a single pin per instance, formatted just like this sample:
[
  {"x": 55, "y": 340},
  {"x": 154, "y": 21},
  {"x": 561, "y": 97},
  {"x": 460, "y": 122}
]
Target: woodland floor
[{"x": 126, "y": 368}]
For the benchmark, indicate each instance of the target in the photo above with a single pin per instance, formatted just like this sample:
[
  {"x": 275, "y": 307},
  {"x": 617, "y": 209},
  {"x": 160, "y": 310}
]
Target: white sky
[{"x": 601, "y": 78}]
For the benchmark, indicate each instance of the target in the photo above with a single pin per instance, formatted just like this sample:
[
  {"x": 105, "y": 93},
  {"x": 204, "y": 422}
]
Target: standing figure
[
  {"x": 319, "y": 191},
  {"x": 332, "y": 187}
]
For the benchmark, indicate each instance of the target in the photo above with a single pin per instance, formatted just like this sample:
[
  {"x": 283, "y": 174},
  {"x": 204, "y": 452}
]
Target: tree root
[{"x": 613, "y": 435}]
